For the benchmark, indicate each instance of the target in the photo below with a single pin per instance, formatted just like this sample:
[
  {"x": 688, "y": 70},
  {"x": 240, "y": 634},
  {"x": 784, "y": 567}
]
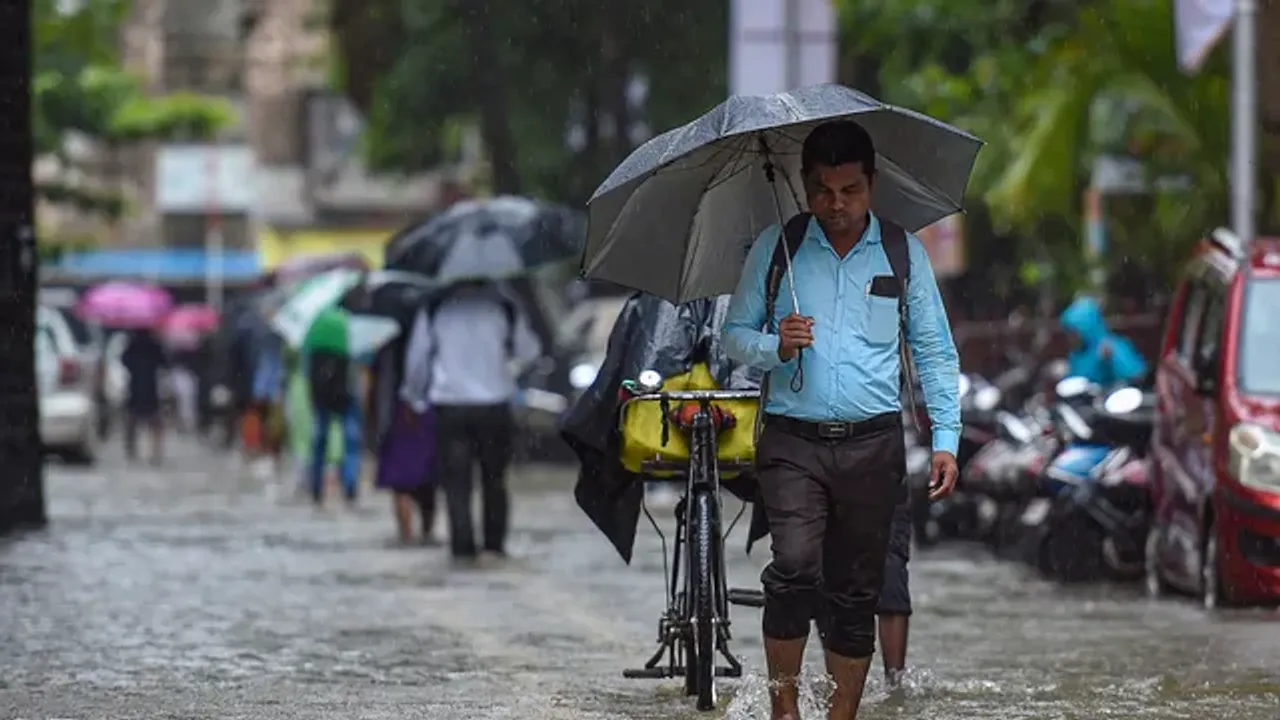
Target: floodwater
[{"x": 195, "y": 591}]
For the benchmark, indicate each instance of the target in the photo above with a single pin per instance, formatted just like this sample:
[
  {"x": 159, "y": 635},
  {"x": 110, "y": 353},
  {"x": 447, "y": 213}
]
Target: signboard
[
  {"x": 944, "y": 241},
  {"x": 205, "y": 178},
  {"x": 780, "y": 45}
]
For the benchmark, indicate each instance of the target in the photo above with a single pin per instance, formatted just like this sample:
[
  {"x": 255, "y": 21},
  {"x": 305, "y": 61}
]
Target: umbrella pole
[{"x": 771, "y": 175}]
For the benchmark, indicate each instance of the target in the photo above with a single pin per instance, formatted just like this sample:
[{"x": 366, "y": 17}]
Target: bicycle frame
[{"x": 702, "y": 476}]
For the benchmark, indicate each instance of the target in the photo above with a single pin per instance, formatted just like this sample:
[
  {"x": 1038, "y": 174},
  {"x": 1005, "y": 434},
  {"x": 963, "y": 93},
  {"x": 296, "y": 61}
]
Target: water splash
[{"x": 751, "y": 701}]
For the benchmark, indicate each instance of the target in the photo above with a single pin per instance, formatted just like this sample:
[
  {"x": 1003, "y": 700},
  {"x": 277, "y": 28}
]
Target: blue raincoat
[{"x": 1103, "y": 357}]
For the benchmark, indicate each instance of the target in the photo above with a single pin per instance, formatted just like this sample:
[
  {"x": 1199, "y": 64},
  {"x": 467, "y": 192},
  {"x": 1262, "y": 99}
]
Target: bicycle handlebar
[{"x": 698, "y": 395}]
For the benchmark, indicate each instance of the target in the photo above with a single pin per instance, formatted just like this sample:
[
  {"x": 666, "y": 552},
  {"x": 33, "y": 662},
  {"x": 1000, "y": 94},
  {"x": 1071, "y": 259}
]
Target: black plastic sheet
[{"x": 650, "y": 334}]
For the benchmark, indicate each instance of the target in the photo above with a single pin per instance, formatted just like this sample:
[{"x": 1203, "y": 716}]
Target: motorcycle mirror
[
  {"x": 1056, "y": 369},
  {"x": 987, "y": 398},
  {"x": 650, "y": 381},
  {"x": 1070, "y": 387},
  {"x": 965, "y": 385},
  {"x": 1123, "y": 401}
]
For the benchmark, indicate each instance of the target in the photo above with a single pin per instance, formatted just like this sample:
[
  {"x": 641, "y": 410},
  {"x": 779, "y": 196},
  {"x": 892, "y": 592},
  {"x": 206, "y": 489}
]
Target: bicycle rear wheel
[{"x": 702, "y": 546}]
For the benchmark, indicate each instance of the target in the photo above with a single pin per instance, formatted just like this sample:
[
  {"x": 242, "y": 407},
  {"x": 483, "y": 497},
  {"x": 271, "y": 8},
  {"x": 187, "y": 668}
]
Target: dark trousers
[
  {"x": 471, "y": 436},
  {"x": 829, "y": 502}
]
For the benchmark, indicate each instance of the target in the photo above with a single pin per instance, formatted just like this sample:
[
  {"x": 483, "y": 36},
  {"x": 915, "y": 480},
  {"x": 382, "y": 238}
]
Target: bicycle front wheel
[{"x": 702, "y": 547}]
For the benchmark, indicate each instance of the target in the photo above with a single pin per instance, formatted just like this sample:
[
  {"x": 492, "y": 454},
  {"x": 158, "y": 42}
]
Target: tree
[
  {"x": 549, "y": 84},
  {"x": 79, "y": 88},
  {"x": 1113, "y": 86}
]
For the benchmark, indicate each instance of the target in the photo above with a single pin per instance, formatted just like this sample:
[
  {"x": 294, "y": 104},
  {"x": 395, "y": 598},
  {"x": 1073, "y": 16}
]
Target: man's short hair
[{"x": 836, "y": 143}]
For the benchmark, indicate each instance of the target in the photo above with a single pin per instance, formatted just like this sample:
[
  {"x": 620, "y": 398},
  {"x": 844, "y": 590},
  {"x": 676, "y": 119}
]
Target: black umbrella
[
  {"x": 676, "y": 217},
  {"x": 488, "y": 239}
]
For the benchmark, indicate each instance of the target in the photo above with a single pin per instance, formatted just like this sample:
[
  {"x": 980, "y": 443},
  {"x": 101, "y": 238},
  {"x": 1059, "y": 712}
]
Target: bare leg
[
  {"x": 403, "y": 506},
  {"x": 784, "y": 658},
  {"x": 850, "y": 676},
  {"x": 894, "y": 630}
]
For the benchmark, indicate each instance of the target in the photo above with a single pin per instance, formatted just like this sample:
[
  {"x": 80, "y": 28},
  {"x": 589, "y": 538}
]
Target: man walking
[
  {"x": 831, "y": 460},
  {"x": 476, "y": 331}
]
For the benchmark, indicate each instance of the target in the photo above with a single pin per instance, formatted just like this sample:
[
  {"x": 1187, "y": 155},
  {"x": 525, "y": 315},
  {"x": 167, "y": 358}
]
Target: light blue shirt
[{"x": 852, "y": 370}]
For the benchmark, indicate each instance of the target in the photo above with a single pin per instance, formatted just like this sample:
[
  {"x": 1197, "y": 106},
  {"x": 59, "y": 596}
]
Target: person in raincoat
[
  {"x": 1100, "y": 355},
  {"x": 334, "y": 383}
]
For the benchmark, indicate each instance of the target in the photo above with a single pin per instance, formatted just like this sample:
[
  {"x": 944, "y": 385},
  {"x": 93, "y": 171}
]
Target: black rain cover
[{"x": 650, "y": 334}]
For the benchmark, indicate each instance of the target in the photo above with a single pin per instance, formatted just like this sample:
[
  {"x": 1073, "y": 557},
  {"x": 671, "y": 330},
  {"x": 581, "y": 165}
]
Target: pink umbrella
[
  {"x": 186, "y": 324},
  {"x": 125, "y": 305}
]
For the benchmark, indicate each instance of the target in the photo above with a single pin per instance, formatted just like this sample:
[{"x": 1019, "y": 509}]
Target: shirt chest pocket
[{"x": 881, "y": 327}]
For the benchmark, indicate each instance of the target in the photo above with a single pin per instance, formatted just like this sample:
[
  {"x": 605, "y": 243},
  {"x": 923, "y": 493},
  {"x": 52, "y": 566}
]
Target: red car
[{"x": 1216, "y": 446}]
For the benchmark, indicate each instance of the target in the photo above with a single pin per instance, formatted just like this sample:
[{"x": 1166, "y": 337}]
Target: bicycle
[{"x": 694, "y": 628}]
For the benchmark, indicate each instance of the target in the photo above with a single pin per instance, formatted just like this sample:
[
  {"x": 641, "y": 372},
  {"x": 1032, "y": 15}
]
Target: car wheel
[{"x": 1153, "y": 581}]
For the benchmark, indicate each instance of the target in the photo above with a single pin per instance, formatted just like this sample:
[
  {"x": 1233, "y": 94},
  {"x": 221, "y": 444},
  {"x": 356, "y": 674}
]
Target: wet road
[{"x": 196, "y": 592}]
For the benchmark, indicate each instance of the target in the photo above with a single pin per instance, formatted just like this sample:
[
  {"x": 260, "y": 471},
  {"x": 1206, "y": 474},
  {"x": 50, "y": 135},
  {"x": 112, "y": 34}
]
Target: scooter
[{"x": 1096, "y": 529}]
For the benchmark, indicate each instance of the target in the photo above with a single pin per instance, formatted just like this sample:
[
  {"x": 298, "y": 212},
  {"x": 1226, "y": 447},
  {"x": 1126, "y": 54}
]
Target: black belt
[{"x": 811, "y": 430}]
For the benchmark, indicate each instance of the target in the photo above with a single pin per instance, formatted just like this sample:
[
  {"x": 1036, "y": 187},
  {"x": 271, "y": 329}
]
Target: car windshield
[{"x": 1260, "y": 339}]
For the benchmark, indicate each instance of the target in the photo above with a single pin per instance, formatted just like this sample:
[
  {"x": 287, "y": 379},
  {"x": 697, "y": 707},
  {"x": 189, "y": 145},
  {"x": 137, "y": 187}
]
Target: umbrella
[
  {"x": 676, "y": 217},
  {"x": 125, "y": 305},
  {"x": 391, "y": 293},
  {"x": 186, "y": 325},
  {"x": 339, "y": 331},
  {"x": 488, "y": 239},
  {"x": 311, "y": 318},
  {"x": 294, "y": 318},
  {"x": 304, "y": 267}
]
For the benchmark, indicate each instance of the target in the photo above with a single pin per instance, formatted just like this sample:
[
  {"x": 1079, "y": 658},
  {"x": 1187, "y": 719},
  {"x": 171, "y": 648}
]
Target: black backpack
[
  {"x": 330, "y": 376},
  {"x": 894, "y": 240}
]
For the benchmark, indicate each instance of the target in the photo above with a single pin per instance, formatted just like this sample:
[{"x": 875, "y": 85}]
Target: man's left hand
[{"x": 942, "y": 475}]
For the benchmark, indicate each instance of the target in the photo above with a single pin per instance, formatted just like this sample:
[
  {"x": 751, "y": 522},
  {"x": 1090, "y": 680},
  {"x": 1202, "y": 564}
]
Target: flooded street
[{"x": 196, "y": 592}]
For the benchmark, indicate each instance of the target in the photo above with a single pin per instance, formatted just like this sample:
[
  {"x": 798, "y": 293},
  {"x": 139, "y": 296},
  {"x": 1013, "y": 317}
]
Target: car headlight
[
  {"x": 582, "y": 375},
  {"x": 1254, "y": 457}
]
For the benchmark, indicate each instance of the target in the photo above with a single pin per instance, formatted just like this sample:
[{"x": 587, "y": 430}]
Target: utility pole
[
  {"x": 22, "y": 482},
  {"x": 1244, "y": 121},
  {"x": 791, "y": 43},
  {"x": 214, "y": 244}
]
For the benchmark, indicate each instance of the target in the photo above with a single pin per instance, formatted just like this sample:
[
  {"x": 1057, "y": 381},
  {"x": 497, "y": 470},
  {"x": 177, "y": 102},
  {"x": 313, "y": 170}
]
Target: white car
[{"x": 65, "y": 382}]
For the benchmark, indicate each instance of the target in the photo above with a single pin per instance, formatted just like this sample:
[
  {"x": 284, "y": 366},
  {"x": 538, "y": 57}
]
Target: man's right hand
[{"x": 794, "y": 332}]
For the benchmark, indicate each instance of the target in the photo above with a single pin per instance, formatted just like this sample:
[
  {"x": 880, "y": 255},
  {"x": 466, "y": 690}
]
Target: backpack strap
[
  {"x": 893, "y": 238},
  {"x": 789, "y": 240}
]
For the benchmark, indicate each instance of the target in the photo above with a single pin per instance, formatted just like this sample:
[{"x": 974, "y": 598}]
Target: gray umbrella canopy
[{"x": 677, "y": 217}]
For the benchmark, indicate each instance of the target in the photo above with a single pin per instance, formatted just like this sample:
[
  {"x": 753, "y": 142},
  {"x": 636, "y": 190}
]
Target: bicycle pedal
[
  {"x": 746, "y": 598},
  {"x": 728, "y": 672},
  {"x": 653, "y": 673}
]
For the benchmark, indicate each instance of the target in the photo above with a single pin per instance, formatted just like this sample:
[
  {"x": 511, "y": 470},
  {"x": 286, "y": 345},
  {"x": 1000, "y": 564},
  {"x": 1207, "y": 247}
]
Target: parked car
[
  {"x": 1216, "y": 444},
  {"x": 67, "y": 413}
]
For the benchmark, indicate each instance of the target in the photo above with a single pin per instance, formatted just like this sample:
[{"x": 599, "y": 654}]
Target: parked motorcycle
[{"x": 1096, "y": 525}]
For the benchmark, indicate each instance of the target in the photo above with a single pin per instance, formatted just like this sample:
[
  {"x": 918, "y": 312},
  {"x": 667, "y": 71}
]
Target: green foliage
[
  {"x": 78, "y": 86},
  {"x": 524, "y": 76}
]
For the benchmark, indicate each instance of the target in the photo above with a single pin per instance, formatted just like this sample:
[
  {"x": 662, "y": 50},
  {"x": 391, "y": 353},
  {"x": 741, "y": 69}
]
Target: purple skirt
[{"x": 407, "y": 459}]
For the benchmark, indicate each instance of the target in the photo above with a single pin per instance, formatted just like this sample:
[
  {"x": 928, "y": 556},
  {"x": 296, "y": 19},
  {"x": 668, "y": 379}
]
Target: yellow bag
[{"x": 641, "y": 425}]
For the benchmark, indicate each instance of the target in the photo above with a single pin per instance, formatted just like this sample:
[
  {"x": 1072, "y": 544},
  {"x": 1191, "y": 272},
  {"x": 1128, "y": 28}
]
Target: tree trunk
[{"x": 489, "y": 78}]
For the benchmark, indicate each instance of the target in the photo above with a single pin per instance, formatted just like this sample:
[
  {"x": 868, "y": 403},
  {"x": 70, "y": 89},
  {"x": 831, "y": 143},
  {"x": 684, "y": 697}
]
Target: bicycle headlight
[{"x": 1254, "y": 457}]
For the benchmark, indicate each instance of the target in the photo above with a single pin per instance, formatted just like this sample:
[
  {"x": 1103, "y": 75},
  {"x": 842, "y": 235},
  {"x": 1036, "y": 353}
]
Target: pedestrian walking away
[
  {"x": 893, "y": 613},
  {"x": 831, "y": 456},
  {"x": 477, "y": 330},
  {"x": 144, "y": 358}
]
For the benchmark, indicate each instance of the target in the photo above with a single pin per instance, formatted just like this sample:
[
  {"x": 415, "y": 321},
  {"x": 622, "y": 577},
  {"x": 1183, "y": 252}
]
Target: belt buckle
[{"x": 833, "y": 430}]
